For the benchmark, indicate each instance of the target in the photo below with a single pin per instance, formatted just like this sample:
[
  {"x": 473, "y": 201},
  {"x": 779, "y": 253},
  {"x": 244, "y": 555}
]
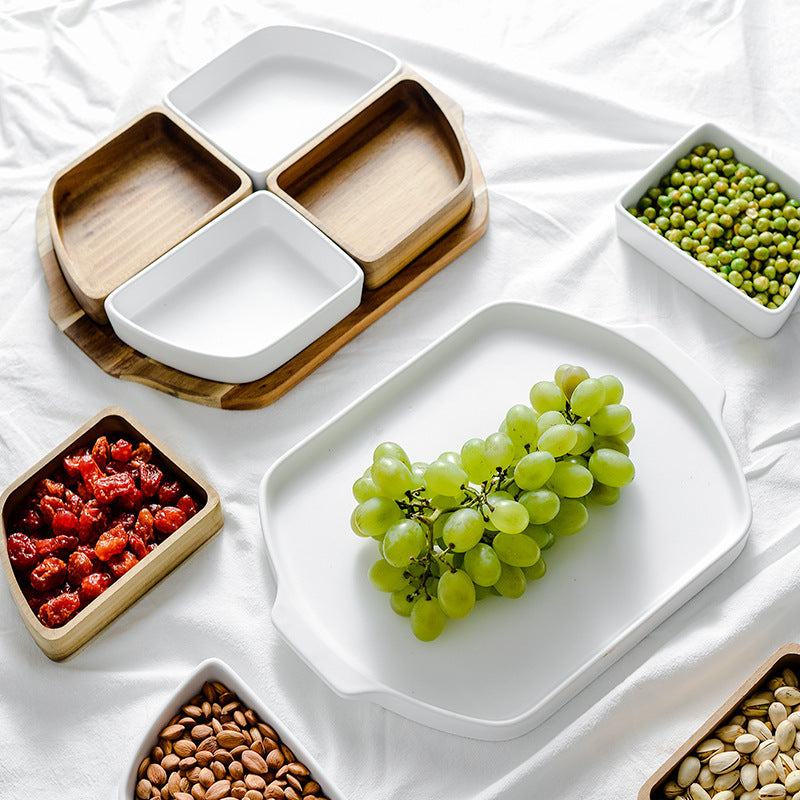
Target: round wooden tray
[{"x": 121, "y": 361}]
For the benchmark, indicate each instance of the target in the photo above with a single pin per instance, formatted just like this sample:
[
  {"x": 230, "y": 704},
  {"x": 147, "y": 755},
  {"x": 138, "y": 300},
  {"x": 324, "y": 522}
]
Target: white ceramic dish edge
[
  {"x": 258, "y": 173},
  {"x": 761, "y": 321},
  {"x": 348, "y": 682},
  {"x": 262, "y": 361},
  {"x": 213, "y": 669}
]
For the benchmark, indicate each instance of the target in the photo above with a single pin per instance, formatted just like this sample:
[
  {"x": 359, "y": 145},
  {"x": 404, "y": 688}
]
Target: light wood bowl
[
  {"x": 386, "y": 181},
  {"x": 786, "y": 656},
  {"x": 132, "y": 197},
  {"x": 58, "y": 643}
]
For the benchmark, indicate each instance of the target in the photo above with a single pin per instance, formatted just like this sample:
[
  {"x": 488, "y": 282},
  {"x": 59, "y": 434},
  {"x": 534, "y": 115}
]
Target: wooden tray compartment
[
  {"x": 786, "y": 656},
  {"x": 386, "y": 182},
  {"x": 131, "y": 198},
  {"x": 58, "y": 643}
]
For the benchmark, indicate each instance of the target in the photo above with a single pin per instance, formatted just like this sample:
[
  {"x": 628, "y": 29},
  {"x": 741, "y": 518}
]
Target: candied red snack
[
  {"x": 149, "y": 479},
  {"x": 94, "y": 585},
  {"x": 187, "y": 505},
  {"x": 137, "y": 545},
  {"x": 92, "y": 521},
  {"x": 168, "y": 520},
  {"x": 121, "y": 450},
  {"x": 22, "y": 552},
  {"x": 101, "y": 452},
  {"x": 142, "y": 453},
  {"x": 89, "y": 470},
  {"x": 71, "y": 462},
  {"x": 35, "y": 599},
  {"x": 31, "y": 522},
  {"x": 132, "y": 500},
  {"x": 84, "y": 492},
  {"x": 65, "y": 523},
  {"x": 57, "y": 611},
  {"x": 169, "y": 492},
  {"x": 126, "y": 519},
  {"x": 144, "y": 526},
  {"x": 50, "y": 573},
  {"x": 73, "y": 502},
  {"x": 52, "y": 545},
  {"x": 121, "y": 563},
  {"x": 78, "y": 567},
  {"x": 48, "y": 505},
  {"x": 109, "y": 487},
  {"x": 87, "y": 551},
  {"x": 111, "y": 542}
]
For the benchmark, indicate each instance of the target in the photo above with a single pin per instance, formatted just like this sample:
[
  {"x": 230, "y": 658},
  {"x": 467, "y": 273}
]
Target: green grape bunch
[{"x": 475, "y": 522}]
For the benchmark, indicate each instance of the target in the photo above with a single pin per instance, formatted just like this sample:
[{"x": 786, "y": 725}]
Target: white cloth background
[{"x": 564, "y": 104}]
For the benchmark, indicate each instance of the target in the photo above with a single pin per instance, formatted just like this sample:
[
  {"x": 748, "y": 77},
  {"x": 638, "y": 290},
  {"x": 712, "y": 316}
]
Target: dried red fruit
[
  {"x": 89, "y": 470},
  {"x": 22, "y": 551},
  {"x": 57, "y": 611},
  {"x": 142, "y": 453},
  {"x": 121, "y": 450},
  {"x": 126, "y": 519},
  {"x": 101, "y": 452},
  {"x": 92, "y": 521},
  {"x": 111, "y": 542},
  {"x": 144, "y": 526},
  {"x": 31, "y": 522},
  {"x": 73, "y": 502},
  {"x": 187, "y": 505},
  {"x": 48, "y": 506},
  {"x": 71, "y": 462},
  {"x": 50, "y": 573},
  {"x": 65, "y": 523},
  {"x": 168, "y": 520},
  {"x": 108, "y": 488},
  {"x": 94, "y": 585},
  {"x": 149, "y": 479},
  {"x": 169, "y": 492},
  {"x": 132, "y": 500},
  {"x": 137, "y": 545},
  {"x": 78, "y": 567},
  {"x": 56, "y": 543},
  {"x": 121, "y": 563},
  {"x": 54, "y": 488}
]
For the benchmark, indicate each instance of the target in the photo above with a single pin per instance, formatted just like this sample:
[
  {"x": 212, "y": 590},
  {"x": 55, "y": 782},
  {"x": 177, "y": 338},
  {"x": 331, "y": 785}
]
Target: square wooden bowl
[
  {"x": 131, "y": 198},
  {"x": 58, "y": 643},
  {"x": 386, "y": 181},
  {"x": 786, "y": 656}
]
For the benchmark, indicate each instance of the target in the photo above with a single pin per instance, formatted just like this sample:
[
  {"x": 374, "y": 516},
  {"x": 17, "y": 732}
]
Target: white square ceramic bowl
[
  {"x": 736, "y": 304},
  {"x": 215, "y": 670},
  {"x": 275, "y": 89},
  {"x": 240, "y": 297}
]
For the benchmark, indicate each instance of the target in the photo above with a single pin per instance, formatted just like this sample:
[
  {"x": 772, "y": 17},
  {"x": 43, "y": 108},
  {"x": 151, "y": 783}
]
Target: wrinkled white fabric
[{"x": 565, "y": 103}]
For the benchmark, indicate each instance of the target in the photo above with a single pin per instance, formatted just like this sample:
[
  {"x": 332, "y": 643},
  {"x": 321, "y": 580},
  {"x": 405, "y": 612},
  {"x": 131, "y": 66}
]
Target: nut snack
[
  {"x": 752, "y": 752},
  {"x": 217, "y": 748}
]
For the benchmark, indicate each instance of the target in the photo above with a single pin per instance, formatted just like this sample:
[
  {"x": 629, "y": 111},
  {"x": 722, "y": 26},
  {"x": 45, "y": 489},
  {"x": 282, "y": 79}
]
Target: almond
[
  {"x": 172, "y": 732},
  {"x": 230, "y": 739},
  {"x": 184, "y": 748},
  {"x": 143, "y": 789},
  {"x": 253, "y": 762},
  {"x": 201, "y": 732},
  {"x": 156, "y": 774},
  {"x": 218, "y": 790},
  {"x": 275, "y": 759}
]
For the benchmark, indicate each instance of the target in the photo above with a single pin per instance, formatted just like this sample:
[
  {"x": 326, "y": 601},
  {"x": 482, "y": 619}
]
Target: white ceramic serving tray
[
  {"x": 271, "y": 92},
  {"x": 215, "y": 670},
  {"x": 736, "y": 304},
  {"x": 510, "y": 664},
  {"x": 240, "y": 297}
]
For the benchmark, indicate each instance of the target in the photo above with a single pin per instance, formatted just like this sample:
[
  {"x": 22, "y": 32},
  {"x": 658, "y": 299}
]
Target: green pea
[{"x": 735, "y": 278}]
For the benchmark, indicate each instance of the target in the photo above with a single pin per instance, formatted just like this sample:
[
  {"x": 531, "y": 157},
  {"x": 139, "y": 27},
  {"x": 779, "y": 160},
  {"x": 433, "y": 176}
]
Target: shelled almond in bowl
[
  {"x": 132, "y": 197},
  {"x": 95, "y": 524},
  {"x": 387, "y": 181},
  {"x": 216, "y": 734}
]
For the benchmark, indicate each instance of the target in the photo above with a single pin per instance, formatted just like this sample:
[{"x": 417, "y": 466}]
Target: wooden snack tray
[{"x": 119, "y": 360}]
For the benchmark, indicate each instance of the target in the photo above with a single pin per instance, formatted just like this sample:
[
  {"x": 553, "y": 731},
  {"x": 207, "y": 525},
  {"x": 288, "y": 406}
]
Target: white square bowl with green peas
[{"x": 701, "y": 279}]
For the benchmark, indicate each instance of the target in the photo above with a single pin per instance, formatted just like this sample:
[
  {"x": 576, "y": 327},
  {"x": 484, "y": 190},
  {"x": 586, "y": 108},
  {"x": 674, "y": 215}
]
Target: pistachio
[
  {"x": 708, "y": 748},
  {"x": 772, "y": 791},
  {"x": 757, "y": 704},
  {"x": 751, "y": 795},
  {"x": 688, "y": 771},
  {"x": 765, "y": 752},
  {"x": 788, "y": 695},
  {"x": 706, "y": 777},
  {"x": 785, "y": 764},
  {"x": 767, "y": 773},
  {"x": 729, "y": 733},
  {"x": 777, "y": 713},
  {"x": 792, "y": 782},
  {"x": 789, "y": 677},
  {"x": 785, "y": 734},
  {"x": 758, "y": 728},
  {"x": 747, "y": 743},
  {"x": 697, "y": 792},
  {"x": 727, "y": 794},
  {"x": 728, "y": 780},
  {"x": 748, "y": 776}
]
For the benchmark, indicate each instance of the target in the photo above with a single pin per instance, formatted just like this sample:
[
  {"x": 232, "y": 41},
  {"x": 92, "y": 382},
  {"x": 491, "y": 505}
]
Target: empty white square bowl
[
  {"x": 275, "y": 89},
  {"x": 758, "y": 319},
  {"x": 240, "y": 297}
]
